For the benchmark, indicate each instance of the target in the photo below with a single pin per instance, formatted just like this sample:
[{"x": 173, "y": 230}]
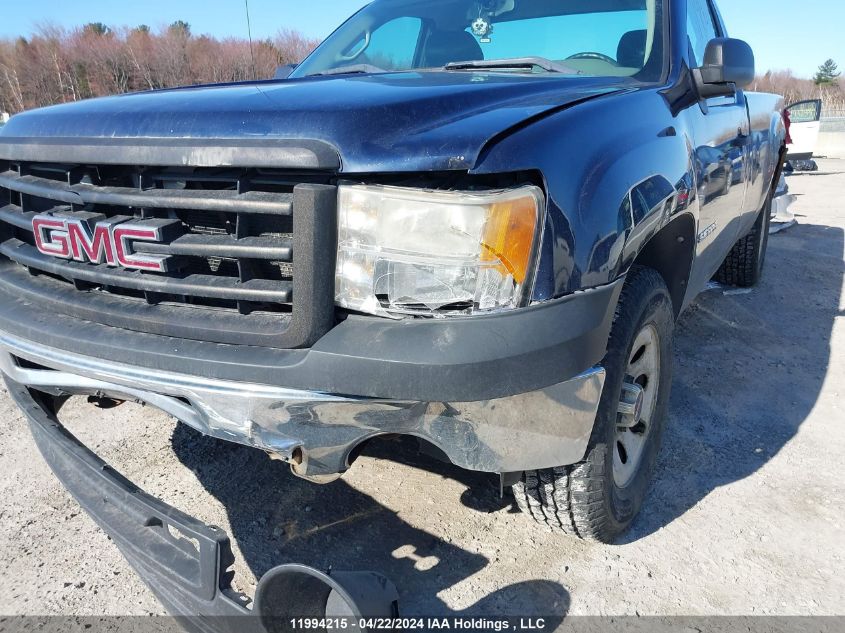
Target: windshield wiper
[
  {"x": 352, "y": 69},
  {"x": 513, "y": 63}
]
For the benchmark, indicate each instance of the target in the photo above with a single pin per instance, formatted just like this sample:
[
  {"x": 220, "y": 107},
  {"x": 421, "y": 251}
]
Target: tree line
[
  {"x": 827, "y": 85},
  {"x": 58, "y": 65}
]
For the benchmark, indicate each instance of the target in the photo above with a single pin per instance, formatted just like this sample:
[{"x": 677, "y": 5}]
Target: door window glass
[
  {"x": 700, "y": 29},
  {"x": 805, "y": 112}
]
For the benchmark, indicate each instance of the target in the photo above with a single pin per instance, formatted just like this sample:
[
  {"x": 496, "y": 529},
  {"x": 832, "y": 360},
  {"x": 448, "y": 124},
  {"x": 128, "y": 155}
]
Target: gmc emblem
[{"x": 96, "y": 239}]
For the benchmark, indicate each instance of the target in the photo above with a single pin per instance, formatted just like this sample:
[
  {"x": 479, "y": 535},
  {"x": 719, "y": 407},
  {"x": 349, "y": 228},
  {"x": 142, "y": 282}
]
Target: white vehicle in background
[
  {"x": 805, "y": 119},
  {"x": 806, "y": 123},
  {"x": 4, "y": 118}
]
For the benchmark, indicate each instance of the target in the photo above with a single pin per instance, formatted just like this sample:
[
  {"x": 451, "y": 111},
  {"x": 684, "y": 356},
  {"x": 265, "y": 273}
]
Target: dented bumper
[{"x": 317, "y": 432}]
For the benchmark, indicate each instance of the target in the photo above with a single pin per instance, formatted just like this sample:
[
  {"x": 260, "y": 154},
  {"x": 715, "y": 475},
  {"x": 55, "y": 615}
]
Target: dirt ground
[{"x": 745, "y": 517}]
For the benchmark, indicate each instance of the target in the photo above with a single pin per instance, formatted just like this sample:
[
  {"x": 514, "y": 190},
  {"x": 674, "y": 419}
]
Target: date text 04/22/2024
[{"x": 420, "y": 624}]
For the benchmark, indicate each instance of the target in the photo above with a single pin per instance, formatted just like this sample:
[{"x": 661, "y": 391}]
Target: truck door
[
  {"x": 806, "y": 123},
  {"x": 720, "y": 132}
]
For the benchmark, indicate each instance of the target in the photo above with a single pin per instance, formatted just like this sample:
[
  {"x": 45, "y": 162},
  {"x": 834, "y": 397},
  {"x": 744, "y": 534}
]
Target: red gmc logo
[{"x": 106, "y": 241}]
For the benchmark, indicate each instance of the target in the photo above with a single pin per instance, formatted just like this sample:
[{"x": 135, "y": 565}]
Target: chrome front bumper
[{"x": 317, "y": 432}]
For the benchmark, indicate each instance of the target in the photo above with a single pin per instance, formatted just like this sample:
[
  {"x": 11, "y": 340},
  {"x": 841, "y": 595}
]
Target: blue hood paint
[{"x": 396, "y": 122}]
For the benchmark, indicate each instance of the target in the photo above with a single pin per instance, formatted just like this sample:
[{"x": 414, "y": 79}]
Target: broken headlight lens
[{"x": 404, "y": 251}]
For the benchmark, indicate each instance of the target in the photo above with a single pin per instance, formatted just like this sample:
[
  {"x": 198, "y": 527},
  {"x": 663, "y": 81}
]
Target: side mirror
[
  {"x": 283, "y": 72},
  {"x": 728, "y": 64}
]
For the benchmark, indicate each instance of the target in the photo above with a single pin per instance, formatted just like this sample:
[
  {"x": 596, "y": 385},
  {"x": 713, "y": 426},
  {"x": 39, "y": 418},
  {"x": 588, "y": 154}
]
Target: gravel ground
[{"x": 745, "y": 516}]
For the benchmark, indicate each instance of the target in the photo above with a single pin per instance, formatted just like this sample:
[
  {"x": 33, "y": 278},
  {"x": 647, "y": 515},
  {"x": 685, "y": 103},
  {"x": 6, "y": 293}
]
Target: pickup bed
[{"x": 470, "y": 222}]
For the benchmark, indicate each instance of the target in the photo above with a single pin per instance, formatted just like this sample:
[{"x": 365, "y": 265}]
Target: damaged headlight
[{"x": 404, "y": 251}]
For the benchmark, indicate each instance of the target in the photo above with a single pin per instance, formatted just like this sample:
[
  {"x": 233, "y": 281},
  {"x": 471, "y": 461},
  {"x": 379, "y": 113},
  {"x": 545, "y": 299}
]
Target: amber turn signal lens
[{"x": 509, "y": 235}]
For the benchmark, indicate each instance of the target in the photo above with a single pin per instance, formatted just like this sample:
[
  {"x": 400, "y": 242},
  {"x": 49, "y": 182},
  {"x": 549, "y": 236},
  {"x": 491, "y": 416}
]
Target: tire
[
  {"x": 743, "y": 266},
  {"x": 591, "y": 500}
]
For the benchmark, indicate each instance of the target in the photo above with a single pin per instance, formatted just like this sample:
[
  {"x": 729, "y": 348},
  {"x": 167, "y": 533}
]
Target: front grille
[{"x": 232, "y": 276}]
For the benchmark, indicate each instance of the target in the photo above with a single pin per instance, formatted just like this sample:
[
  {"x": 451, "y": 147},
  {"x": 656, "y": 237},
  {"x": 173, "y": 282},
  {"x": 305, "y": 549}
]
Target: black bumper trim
[
  {"x": 184, "y": 562},
  {"x": 190, "y": 577}
]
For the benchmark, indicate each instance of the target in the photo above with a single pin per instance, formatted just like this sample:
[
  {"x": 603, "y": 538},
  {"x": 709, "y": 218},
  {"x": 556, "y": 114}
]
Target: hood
[{"x": 387, "y": 122}]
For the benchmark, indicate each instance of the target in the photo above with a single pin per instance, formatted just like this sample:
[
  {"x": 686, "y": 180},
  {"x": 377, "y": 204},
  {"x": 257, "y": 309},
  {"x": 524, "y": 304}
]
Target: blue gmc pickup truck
[{"x": 473, "y": 222}]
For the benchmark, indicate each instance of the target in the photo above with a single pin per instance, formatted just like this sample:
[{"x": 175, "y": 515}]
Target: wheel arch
[{"x": 671, "y": 252}]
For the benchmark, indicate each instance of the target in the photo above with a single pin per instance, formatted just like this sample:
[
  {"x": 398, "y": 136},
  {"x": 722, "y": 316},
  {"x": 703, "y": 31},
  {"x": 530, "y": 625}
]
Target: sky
[{"x": 784, "y": 34}]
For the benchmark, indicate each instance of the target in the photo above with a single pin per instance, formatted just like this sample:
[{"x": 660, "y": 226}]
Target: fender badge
[{"x": 707, "y": 232}]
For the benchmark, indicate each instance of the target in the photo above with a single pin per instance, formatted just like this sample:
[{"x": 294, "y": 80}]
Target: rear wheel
[
  {"x": 744, "y": 264},
  {"x": 599, "y": 497}
]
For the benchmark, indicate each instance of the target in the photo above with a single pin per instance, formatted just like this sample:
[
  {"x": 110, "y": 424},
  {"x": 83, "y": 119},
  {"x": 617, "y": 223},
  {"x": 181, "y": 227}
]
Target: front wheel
[{"x": 598, "y": 498}]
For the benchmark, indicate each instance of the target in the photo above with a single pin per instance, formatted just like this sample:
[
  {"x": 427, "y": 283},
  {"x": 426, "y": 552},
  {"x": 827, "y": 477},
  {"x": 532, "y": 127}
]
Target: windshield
[{"x": 614, "y": 38}]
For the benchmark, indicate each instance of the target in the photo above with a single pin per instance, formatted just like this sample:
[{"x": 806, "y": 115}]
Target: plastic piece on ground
[{"x": 777, "y": 228}]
